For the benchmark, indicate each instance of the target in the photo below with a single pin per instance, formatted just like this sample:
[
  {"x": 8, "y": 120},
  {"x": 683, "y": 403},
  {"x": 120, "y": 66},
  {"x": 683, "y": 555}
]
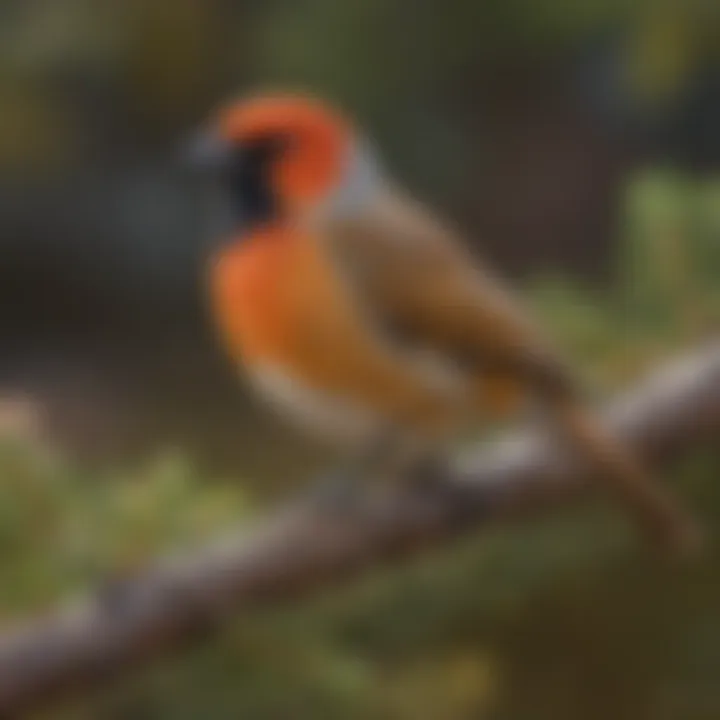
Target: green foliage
[
  {"x": 666, "y": 292},
  {"x": 165, "y": 60},
  {"x": 561, "y": 618},
  {"x": 62, "y": 529}
]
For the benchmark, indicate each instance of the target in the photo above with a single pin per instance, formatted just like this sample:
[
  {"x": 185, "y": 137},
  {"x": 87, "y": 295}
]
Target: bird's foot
[
  {"x": 433, "y": 480},
  {"x": 337, "y": 491},
  {"x": 429, "y": 475}
]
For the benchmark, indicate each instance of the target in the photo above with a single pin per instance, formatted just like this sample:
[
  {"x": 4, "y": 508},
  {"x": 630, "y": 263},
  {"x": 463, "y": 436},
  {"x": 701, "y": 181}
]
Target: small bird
[{"x": 356, "y": 311}]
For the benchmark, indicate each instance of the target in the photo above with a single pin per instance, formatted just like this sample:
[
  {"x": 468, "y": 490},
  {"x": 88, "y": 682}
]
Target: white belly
[{"x": 331, "y": 418}]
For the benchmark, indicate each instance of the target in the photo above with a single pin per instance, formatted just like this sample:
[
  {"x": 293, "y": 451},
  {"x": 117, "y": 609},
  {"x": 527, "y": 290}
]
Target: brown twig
[{"x": 303, "y": 547}]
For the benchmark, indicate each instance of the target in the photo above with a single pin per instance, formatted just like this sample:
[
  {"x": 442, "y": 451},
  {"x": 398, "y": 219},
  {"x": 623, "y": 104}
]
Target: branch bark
[{"x": 303, "y": 547}]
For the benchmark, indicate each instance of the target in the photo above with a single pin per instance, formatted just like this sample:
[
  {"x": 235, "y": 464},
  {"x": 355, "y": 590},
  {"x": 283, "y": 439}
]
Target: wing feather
[{"x": 422, "y": 285}]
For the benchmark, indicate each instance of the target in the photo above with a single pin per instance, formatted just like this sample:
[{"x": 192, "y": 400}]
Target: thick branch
[{"x": 303, "y": 547}]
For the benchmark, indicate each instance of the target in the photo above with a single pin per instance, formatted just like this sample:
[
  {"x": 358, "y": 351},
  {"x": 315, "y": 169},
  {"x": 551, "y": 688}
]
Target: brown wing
[
  {"x": 417, "y": 279},
  {"x": 423, "y": 286}
]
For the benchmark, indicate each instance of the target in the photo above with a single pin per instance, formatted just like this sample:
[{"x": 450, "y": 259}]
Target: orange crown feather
[{"x": 318, "y": 139}]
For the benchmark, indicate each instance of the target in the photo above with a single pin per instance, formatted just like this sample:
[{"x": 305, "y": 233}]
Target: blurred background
[{"x": 578, "y": 143}]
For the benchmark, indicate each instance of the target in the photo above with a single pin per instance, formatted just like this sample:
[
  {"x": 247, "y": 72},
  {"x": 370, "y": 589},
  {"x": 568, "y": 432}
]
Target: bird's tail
[{"x": 654, "y": 508}]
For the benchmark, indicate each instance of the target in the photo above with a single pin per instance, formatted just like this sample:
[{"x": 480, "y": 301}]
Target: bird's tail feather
[{"x": 652, "y": 505}]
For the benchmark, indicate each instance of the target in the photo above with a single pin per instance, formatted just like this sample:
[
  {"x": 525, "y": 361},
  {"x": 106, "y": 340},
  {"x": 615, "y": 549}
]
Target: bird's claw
[{"x": 336, "y": 491}]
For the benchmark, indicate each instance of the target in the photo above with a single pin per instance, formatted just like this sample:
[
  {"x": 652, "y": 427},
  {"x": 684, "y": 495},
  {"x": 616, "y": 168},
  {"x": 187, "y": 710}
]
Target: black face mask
[
  {"x": 247, "y": 179},
  {"x": 241, "y": 181}
]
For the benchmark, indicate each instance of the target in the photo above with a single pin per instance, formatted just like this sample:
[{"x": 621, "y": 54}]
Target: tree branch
[{"x": 303, "y": 547}]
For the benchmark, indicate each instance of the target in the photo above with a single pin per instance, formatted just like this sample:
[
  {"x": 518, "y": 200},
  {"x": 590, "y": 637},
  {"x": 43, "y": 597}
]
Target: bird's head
[{"x": 286, "y": 155}]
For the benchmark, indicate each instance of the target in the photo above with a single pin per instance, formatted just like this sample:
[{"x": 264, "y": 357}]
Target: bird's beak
[
  {"x": 205, "y": 156},
  {"x": 207, "y": 152}
]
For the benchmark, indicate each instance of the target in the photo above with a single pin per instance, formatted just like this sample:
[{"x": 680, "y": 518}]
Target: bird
[{"x": 363, "y": 316}]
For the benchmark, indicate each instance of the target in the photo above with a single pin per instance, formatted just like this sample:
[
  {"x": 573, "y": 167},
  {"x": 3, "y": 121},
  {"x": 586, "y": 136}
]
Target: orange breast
[
  {"x": 249, "y": 287},
  {"x": 280, "y": 302}
]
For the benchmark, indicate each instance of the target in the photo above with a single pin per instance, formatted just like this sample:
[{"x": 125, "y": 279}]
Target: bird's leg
[
  {"x": 427, "y": 471},
  {"x": 417, "y": 464},
  {"x": 345, "y": 486},
  {"x": 427, "y": 477},
  {"x": 338, "y": 489}
]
